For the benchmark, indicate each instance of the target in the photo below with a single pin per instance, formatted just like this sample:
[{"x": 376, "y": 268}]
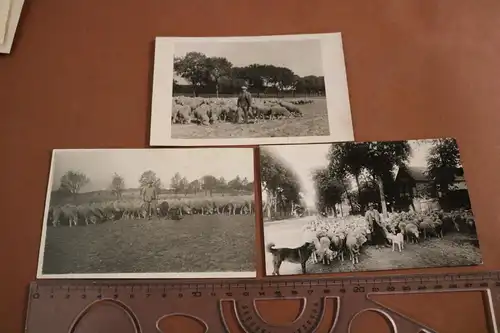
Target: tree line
[
  {"x": 360, "y": 173},
  {"x": 73, "y": 181},
  {"x": 370, "y": 166},
  {"x": 218, "y": 75},
  {"x": 279, "y": 180}
]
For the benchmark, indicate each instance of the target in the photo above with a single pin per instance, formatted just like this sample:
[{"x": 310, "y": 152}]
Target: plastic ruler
[{"x": 328, "y": 305}]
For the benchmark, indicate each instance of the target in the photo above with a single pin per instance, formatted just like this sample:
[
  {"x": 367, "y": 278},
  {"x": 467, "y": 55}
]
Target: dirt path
[{"x": 453, "y": 250}]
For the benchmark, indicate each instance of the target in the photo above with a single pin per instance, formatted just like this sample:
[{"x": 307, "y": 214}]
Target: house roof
[{"x": 418, "y": 173}]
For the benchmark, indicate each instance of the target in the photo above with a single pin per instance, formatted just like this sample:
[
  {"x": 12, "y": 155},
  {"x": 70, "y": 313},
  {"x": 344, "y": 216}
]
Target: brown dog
[{"x": 298, "y": 255}]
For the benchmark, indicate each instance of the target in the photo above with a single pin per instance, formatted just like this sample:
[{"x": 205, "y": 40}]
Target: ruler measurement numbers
[
  {"x": 263, "y": 289},
  {"x": 329, "y": 305}
]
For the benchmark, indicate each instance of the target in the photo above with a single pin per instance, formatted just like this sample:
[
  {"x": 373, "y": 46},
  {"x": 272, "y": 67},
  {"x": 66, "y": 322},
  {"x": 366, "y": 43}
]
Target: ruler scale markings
[{"x": 45, "y": 295}]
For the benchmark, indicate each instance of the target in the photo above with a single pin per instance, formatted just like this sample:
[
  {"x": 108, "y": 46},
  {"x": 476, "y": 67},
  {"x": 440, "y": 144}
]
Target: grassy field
[
  {"x": 193, "y": 244},
  {"x": 313, "y": 123}
]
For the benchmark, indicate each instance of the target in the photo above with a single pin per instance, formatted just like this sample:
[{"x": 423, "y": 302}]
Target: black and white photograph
[
  {"x": 149, "y": 213},
  {"x": 366, "y": 206},
  {"x": 250, "y": 90}
]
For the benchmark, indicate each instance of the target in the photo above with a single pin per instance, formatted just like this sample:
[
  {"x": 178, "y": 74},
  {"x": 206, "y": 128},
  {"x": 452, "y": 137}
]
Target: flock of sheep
[
  {"x": 338, "y": 237},
  {"x": 134, "y": 209},
  {"x": 206, "y": 111}
]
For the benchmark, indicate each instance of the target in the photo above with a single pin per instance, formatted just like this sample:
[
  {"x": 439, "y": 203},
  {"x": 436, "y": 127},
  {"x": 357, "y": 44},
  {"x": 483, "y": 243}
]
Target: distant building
[{"x": 413, "y": 189}]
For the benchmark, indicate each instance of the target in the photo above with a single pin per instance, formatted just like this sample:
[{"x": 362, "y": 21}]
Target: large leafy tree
[
  {"x": 184, "y": 185},
  {"x": 117, "y": 185},
  {"x": 312, "y": 85},
  {"x": 329, "y": 189},
  {"x": 175, "y": 182},
  {"x": 235, "y": 184},
  {"x": 338, "y": 170},
  {"x": 281, "y": 77},
  {"x": 280, "y": 180},
  {"x": 377, "y": 159},
  {"x": 221, "y": 185},
  {"x": 254, "y": 75},
  {"x": 442, "y": 164},
  {"x": 73, "y": 181},
  {"x": 195, "y": 186},
  {"x": 218, "y": 67},
  {"x": 257, "y": 77},
  {"x": 193, "y": 67},
  {"x": 149, "y": 176},
  {"x": 347, "y": 158},
  {"x": 380, "y": 160},
  {"x": 209, "y": 184}
]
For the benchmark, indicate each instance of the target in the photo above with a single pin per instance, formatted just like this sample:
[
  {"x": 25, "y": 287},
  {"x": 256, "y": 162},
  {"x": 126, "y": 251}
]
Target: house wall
[
  {"x": 420, "y": 189},
  {"x": 415, "y": 192},
  {"x": 426, "y": 205}
]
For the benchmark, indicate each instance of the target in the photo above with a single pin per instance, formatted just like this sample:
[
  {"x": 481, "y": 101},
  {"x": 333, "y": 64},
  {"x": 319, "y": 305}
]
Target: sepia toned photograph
[
  {"x": 366, "y": 206},
  {"x": 250, "y": 90},
  {"x": 149, "y": 213}
]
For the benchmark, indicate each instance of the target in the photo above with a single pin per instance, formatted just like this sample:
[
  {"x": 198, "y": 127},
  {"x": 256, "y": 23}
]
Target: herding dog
[
  {"x": 396, "y": 240},
  {"x": 298, "y": 255}
]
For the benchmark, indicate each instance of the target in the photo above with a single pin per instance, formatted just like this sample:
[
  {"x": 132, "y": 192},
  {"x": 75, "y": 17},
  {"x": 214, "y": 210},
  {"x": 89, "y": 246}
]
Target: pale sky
[
  {"x": 303, "y": 57},
  {"x": 419, "y": 149},
  {"x": 193, "y": 163},
  {"x": 304, "y": 159}
]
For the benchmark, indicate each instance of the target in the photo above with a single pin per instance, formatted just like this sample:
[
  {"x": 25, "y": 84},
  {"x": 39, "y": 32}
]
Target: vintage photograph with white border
[
  {"x": 149, "y": 213},
  {"x": 281, "y": 89},
  {"x": 366, "y": 206}
]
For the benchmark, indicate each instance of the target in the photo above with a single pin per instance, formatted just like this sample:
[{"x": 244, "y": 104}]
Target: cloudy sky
[
  {"x": 303, "y": 56},
  {"x": 306, "y": 158},
  {"x": 100, "y": 165}
]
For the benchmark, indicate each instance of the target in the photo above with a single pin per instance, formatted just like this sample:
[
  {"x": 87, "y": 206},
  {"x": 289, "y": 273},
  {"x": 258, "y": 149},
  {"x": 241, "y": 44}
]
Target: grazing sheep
[
  {"x": 427, "y": 227},
  {"x": 226, "y": 109},
  {"x": 411, "y": 230},
  {"x": 438, "y": 226},
  {"x": 354, "y": 242},
  {"x": 234, "y": 115},
  {"x": 338, "y": 243},
  {"x": 163, "y": 209},
  {"x": 183, "y": 114},
  {"x": 202, "y": 114},
  {"x": 261, "y": 111},
  {"x": 323, "y": 252},
  {"x": 215, "y": 113},
  {"x": 278, "y": 112},
  {"x": 291, "y": 108}
]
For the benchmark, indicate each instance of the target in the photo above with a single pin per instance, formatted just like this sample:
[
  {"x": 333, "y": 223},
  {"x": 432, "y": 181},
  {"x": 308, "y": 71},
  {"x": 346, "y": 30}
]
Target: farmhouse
[{"x": 412, "y": 187}]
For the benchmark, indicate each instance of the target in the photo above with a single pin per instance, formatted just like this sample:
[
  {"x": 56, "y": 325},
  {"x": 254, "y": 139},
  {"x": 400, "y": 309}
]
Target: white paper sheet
[
  {"x": 330, "y": 113},
  {"x": 4, "y": 18},
  {"x": 8, "y": 26}
]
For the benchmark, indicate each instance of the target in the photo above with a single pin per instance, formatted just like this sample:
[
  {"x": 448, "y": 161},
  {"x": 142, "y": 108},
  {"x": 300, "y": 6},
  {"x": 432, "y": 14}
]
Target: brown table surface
[{"x": 80, "y": 73}]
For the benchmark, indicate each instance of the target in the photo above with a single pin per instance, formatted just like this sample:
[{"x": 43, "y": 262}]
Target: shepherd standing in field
[
  {"x": 149, "y": 196},
  {"x": 245, "y": 103},
  {"x": 378, "y": 233}
]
